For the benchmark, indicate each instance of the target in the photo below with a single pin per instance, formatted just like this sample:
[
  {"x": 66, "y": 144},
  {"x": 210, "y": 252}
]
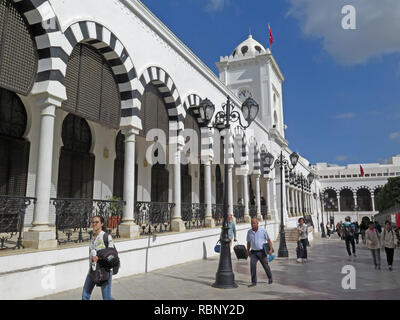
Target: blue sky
[{"x": 342, "y": 87}]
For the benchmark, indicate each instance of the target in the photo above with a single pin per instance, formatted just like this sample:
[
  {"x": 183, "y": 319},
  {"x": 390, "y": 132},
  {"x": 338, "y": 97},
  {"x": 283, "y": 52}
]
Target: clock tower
[{"x": 251, "y": 71}]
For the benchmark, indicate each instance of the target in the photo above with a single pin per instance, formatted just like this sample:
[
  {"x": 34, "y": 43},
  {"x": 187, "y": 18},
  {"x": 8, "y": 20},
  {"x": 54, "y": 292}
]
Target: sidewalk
[{"x": 319, "y": 278}]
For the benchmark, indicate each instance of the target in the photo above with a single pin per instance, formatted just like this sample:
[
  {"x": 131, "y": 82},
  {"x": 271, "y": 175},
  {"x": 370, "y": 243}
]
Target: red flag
[
  {"x": 271, "y": 38},
  {"x": 362, "y": 171}
]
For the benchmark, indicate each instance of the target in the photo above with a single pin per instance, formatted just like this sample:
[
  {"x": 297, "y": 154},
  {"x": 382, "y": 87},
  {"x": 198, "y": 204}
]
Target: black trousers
[
  {"x": 256, "y": 256},
  {"x": 389, "y": 255},
  {"x": 302, "y": 253},
  {"x": 353, "y": 245}
]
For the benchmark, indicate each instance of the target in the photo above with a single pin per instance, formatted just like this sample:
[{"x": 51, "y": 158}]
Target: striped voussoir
[
  {"x": 46, "y": 32},
  {"x": 166, "y": 86},
  {"x": 240, "y": 147},
  {"x": 257, "y": 160},
  {"x": 117, "y": 56},
  {"x": 228, "y": 140}
]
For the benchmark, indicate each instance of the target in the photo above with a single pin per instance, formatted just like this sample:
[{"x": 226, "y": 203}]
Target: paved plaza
[{"x": 320, "y": 278}]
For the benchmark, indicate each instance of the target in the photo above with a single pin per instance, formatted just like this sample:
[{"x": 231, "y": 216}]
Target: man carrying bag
[{"x": 256, "y": 238}]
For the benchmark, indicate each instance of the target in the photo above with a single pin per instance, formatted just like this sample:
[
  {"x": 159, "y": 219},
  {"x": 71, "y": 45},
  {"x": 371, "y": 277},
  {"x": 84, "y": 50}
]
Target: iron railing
[
  {"x": 12, "y": 216},
  {"x": 153, "y": 217},
  {"x": 73, "y": 218},
  {"x": 193, "y": 215},
  {"x": 217, "y": 212},
  {"x": 238, "y": 213}
]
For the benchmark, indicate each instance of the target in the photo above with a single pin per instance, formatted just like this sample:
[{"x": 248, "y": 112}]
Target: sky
[{"x": 341, "y": 94}]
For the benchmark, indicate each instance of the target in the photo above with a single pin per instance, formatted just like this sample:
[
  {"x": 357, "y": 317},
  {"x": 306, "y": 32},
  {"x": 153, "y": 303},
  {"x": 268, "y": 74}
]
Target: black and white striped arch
[
  {"x": 53, "y": 59},
  {"x": 166, "y": 86}
]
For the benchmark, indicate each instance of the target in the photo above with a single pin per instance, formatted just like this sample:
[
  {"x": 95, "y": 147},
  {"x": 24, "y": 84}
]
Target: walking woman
[
  {"x": 96, "y": 244},
  {"x": 302, "y": 230},
  {"x": 389, "y": 242},
  {"x": 373, "y": 243}
]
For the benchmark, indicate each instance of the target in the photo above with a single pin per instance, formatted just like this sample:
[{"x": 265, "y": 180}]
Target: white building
[{"x": 349, "y": 193}]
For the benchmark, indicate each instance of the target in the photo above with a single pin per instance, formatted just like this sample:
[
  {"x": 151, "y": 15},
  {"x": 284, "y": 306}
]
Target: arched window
[
  {"x": 14, "y": 150},
  {"x": 364, "y": 200},
  {"x": 76, "y": 165},
  {"x": 118, "y": 188},
  {"x": 153, "y": 112},
  {"x": 346, "y": 200},
  {"x": 331, "y": 202},
  {"x": 18, "y": 56},
  {"x": 186, "y": 184},
  {"x": 92, "y": 91}
]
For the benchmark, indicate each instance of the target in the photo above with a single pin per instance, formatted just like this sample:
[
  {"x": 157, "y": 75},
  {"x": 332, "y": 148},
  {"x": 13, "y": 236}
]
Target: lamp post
[
  {"x": 281, "y": 162},
  {"x": 323, "y": 235},
  {"x": 225, "y": 277}
]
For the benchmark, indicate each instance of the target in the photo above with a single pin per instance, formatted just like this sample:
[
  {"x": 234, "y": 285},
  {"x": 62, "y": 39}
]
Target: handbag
[{"x": 217, "y": 247}]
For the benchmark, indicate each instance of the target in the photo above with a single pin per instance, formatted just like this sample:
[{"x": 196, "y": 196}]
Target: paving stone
[{"x": 319, "y": 278}]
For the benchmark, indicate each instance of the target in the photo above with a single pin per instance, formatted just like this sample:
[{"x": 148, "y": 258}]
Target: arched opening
[
  {"x": 186, "y": 184},
  {"x": 14, "y": 149},
  {"x": 364, "y": 200},
  {"x": 76, "y": 163},
  {"x": 275, "y": 120},
  {"x": 331, "y": 200},
  {"x": 346, "y": 200},
  {"x": 92, "y": 89},
  {"x": 18, "y": 55}
]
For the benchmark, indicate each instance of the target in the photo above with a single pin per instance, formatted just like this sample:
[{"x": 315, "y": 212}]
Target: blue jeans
[{"x": 89, "y": 286}]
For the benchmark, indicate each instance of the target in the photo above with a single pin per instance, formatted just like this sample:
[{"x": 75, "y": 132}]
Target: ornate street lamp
[
  {"x": 282, "y": 162},
  {"x": 225, "y": 277}
]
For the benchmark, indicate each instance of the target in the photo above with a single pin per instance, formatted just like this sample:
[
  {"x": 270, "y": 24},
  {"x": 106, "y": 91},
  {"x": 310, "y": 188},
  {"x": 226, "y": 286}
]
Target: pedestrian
[
  {"x": 263, "y": 202},
  {"x": 256, "y": 238},
  {"x": 302, "y": 241},
  {"x": 363, "y": 229},
  {"x": 348, "y": 233},
  {"x": 96, "y": 244},
  {"x": 232, "y": 229},
  {"x": 328, "y": 229},
  {"x": 338, "y": 229},
  {"x": 372, "y": 239},
  {"x": 389, "y": 243}
]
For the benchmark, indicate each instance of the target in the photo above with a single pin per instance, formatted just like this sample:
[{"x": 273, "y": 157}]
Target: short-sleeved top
[{"x": 257, "y": 238}]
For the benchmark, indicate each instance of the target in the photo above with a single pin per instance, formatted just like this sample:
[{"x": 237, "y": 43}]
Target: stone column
[
  {"x": 287, "y": 202},
  {"x": 246, "y": 198},
  {"x": 177, "y": 223},
  {"x": 373, "y": 201},
  {"x": 41, "y": 236},
  {"x": 338, "y": 203},
  {"x": 258, "y": 198},
  {"x": 128, "y": 228},
  {"x": 292, "y": 210},
  {"x": 268, "y": 194},
  {"x": 209, "y": 221},
  {"x": 274, "y": 211}
]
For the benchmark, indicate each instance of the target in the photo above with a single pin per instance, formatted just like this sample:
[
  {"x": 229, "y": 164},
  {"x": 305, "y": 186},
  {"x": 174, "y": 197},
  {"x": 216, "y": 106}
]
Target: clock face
[{"x": 244, "y": 93}]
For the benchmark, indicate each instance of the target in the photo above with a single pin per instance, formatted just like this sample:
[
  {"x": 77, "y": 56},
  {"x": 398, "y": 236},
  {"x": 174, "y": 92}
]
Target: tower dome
[{"x": 249, "y": 47}]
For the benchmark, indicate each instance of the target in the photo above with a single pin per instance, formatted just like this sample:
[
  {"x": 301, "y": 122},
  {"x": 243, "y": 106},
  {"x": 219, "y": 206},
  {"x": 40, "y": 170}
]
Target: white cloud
[
  {"x": 394, "y": 136},
  {"x": 342, "y": 116},
  {"x": 376, "y": 34},
  {"x": 215, "y": 5},
  {"x": 341, "y": 158}
]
